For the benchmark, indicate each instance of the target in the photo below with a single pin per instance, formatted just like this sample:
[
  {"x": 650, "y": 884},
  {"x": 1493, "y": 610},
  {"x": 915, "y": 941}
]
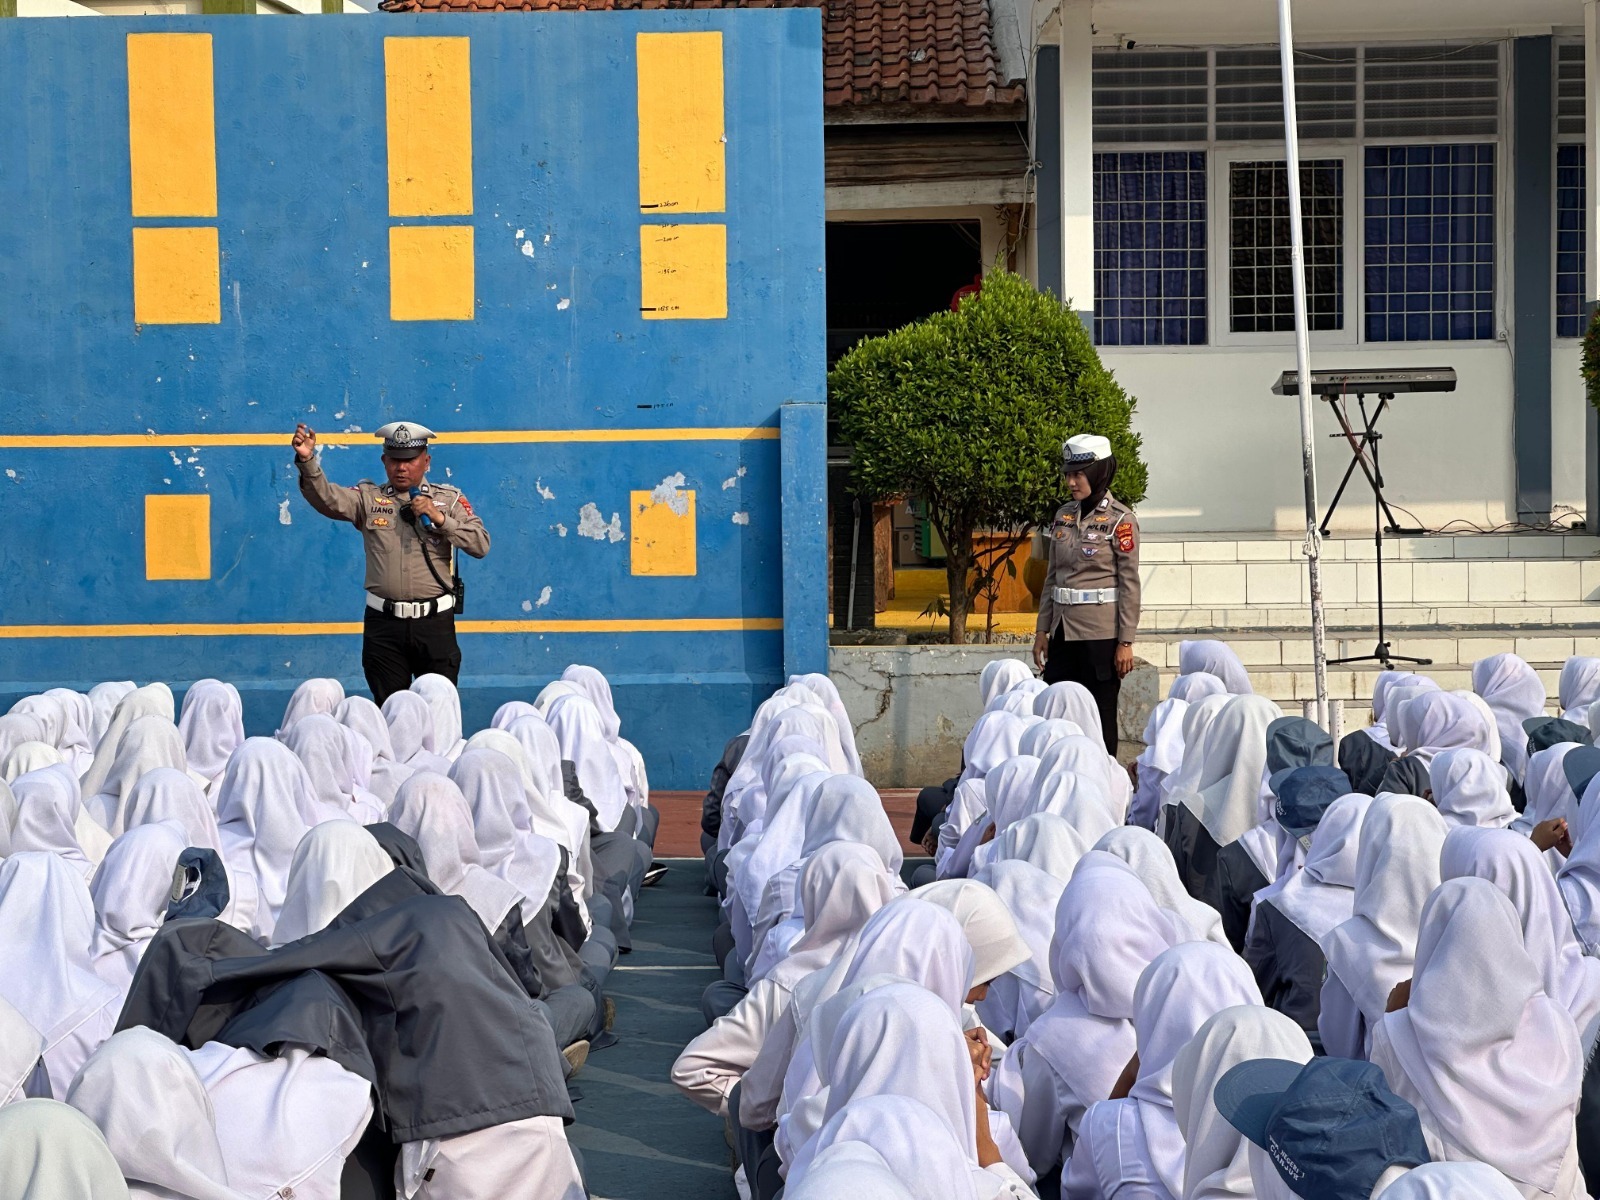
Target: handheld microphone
[{"x": 423, "y": 518}]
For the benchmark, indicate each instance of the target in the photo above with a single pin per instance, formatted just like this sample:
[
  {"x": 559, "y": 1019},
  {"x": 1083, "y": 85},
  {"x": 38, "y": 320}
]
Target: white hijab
[
  {"x": 1397, "y": 867},
  {"x": 212, "y": 725},
  {"x": 51, "y": 1151},
  {"x": 491, "y": 783},
  {"x": 20, "y": 1049},
  {"x": 1382, "y": 690},
  {"x": 1578, "y": 688},
  {"x": 329, "y": 752},
  {"x": 1451, "y": 1181},
  {"x": 166, "y": 794},
  {"x": 311, "y": 696},
  {"x": 46, "y": 921},
  {"x": 152, "y": 700},
  {"x": 1006, "y": 791},
  {"x": 1043, "y": 734},
  {"x": 1196, "y": 724},
  {"x": 827, "y": 695},
  {"x": 1018, "y": 701},
  {"x": 1152, "y": 862},
  {"x": 1069, "y": 701},
  {"x": 1228, "y": 792},
  {"x": 29, "y": 756},
  {"x": 363, "y": 718},
  {"x": 1495, "y": 1061},
  {"x": 791, "y": 793},
  {"x": 1215, "y": 658},
  {"x": 848, "y": 1165},
  {"x": 431, "y": 808},
  {"x": 1514, "y": 693},
  {"x": 130, "y": 893},
  {"x": 1178, "y": 993},
  {"x": 1001, "y": 675},
  {"x": 539, "y": 742},
  {"x": 1163, "y": 734},
  {"x": 143, "y": 1093},
  {"x": 410, "y": 721},
  {"x": 550, "y": 814},
  {"x": 1439, "y": 721},
  {"x": 1469, "y": 788},
  {"x": 333, "y": 864},
  {"x": 986, "y": 923},
  {"x": 1514, "y": 865},
  {"x": 147, "y": 743},
  {"x": 579, "y": 731},
  {"x": 103, "y": 701},
  {"x": 1216, "y": 1162},
  {"x": 1045, "y": 841},
  {"x": 1094, "y": 777},
  {"x": 445, "y": 702},
  {"x": 1402, "y": 729},
  {"x": 1322, "y": 894},
  {"x": 1579, "y": 877},
  {"x": 49, "y": 815},
  {"x": 840, "y": 888},
  {"x": 993, "y": 739},
  {"x": 1548, "y": 791},
  {"x": 265, "y": 805},
  {"x": 1031, "y": 897}
]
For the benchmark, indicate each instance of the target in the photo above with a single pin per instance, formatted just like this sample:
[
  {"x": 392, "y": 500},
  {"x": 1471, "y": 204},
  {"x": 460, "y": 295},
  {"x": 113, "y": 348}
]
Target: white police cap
[
  {"x": 405, "y": 439},
  {"x": 1085, "y": 448}
]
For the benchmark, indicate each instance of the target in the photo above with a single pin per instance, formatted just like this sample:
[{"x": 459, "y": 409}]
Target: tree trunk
[{"x": 958, "y": 564}]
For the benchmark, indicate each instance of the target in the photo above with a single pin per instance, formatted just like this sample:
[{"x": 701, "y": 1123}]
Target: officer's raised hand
[
  {"x": 305, "y": 442},
  {"x": 424, "y": 506}
]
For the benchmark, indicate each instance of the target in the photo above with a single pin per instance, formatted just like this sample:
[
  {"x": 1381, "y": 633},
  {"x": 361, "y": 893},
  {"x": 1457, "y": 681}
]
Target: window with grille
[
  {"x": 1569, "y": 90},
  {"x": 1150, "y": 248},
  {"x": 1571, "y": 248},
  {"x": 1260, "y": 279},
  {"x": 1152, "y": 95},
  {"x": 1250, "y": 94},
  {"x": 1432, "y": 91},
  {"x": 1429, "y": 243}
]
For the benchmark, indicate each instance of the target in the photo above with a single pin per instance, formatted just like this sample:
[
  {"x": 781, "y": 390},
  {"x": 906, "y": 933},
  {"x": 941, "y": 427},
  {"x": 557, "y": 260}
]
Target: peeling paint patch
[
  {"x": 284, "y": 518},
  {"x": 561, "y": 530},
  {"x": 563, "y": 304},
  {"x": 544, "y": 492},
  {"x": 544, "y": 597},
  {"x": 11, "y": 473},
  {"x": 527, "y": 249},
  {"x": 521, "y": 233},
  {"x": 732, "y": 481},
  {"x": 592, "y": 525},
  {"x": 527, "y": 606},
  {"x": 741, "y": 518},
  {"x": 670, "y": 492}
]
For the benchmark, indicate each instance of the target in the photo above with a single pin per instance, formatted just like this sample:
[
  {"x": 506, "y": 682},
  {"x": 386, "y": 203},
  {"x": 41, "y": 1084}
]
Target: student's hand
[
  {"x": 980, "y": 1052},
  {"x": 930, "y": 841},
  {"x": 1041, "y": 649},
  {"x": 988, "y": 835},
  {"x": 1399, "y": 997},
  {"x": 1126, "y": 1080},
  {"x": 1124, "y": 659},
  {"x": 988, "y": 1152},
  {"x": 1552, "y": 835}
]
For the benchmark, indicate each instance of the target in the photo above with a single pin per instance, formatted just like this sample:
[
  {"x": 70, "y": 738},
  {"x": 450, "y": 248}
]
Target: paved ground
[
  {"x": 679, "y": 833},
  {"x": 640, "y": 1139}
]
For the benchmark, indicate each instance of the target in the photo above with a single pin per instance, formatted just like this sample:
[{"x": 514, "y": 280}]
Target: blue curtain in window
[
  {"x": 1150, "y": 248},
  {"x": 1429, "y": 243}
]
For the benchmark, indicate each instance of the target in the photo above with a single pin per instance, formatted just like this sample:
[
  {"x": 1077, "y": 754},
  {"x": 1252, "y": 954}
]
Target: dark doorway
[{"x": 881, "y": 275}]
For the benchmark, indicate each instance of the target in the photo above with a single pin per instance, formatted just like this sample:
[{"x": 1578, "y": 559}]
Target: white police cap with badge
[
  {"x": 405, "y": 439},
  {"x": 1081, "y": 450}
]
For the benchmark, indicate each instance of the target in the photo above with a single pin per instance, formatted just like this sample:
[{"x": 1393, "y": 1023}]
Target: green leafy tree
[
  {"x": 967, "y": 411},
  {"x": 1591, "y": 359}
]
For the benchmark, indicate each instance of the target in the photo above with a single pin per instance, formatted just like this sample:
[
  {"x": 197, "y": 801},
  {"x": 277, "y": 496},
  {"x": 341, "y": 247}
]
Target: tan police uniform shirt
[
  {"x": 1100, "y": 550},
  {"x": 396, "y": 566}
]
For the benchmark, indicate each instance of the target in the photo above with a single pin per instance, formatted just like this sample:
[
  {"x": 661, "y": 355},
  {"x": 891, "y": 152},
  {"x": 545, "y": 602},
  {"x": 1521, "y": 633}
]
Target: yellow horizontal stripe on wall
[
  {"x": 311, "y": 628},
  {"x": 172, "y": 140},
  {"x": 479, "y": 437},
  {"x": 683, "y": 146},
  {"x": 428, "y": 89}
]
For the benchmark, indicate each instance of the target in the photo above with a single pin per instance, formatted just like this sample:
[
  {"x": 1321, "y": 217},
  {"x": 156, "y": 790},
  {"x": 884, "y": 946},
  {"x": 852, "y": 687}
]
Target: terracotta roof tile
[{"x": 911, "y": 52}]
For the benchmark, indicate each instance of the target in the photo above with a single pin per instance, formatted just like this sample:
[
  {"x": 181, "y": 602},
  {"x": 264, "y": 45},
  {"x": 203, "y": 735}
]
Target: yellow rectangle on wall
[
  {"x": 428, "y": 87},
  {"x": 683, "y": 272},
  {"x": 663, "y": 541},
  {"x": 682, "y": 142},
  {"x": 431, "y": 273},
  {"x": 177, "y": 537},
  {"x": 172, "y": 137},
  {"x": 177, "y": 276}
]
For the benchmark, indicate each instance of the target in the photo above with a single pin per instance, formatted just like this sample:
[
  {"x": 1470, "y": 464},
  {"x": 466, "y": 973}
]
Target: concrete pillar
[
  {"x": 1077, "y": 158},
  {"x": 1591, "y": 138},
  {"x": 1532, "y": 270}
]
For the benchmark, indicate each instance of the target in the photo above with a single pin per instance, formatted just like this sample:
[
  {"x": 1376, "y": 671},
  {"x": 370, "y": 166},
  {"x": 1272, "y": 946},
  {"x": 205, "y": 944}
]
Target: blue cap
[
  {"x": 1580, "y": 766},
  {"x": 1304, "y": 794},
  {"x": 1545, "y": 731},
  {"x": 1296, "y": 742},
  {"x": 1331, "y": 1127}
]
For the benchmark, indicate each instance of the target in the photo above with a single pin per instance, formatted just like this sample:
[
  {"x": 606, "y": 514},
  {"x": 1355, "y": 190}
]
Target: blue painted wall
[{"x": 558, "y": 343}]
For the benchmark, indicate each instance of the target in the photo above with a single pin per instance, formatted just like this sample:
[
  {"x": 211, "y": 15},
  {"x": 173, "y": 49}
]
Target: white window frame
[
  {"x": 1219, "y": 285},
  {"x": 1353, "y": 151}
]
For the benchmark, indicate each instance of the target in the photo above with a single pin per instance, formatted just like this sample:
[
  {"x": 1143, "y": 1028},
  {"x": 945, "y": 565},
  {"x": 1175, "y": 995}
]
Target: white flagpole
[{"x": 1302, "y": 350}]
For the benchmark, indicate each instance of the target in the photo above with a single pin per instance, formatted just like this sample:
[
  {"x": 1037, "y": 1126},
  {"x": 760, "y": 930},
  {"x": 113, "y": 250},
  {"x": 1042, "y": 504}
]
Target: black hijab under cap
[{"x": 1099, "y": 473}]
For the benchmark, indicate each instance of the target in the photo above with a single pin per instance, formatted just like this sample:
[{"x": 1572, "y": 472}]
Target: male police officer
[{"x": 412, "y": 529}]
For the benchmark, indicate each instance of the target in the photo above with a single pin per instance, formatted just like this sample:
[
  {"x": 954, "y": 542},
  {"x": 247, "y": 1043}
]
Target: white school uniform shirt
[
  {"x": 46, "y": 922},
  {"x": 285, "y": 1123},
  {"x": 1492, "y": 1065},
  {"x": 1108, "y": 930},
  {"x": 841, "y": 887},
  {"x": 1397, "y": 867},
  {"x": 142, "y": 1092},
  {"x": 1133, "y": 1147},
  {"x": 527, "y": 1158}
]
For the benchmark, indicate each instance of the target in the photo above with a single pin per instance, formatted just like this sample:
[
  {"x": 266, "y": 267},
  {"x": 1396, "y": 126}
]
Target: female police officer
[{"x": 1089, "y": 606}]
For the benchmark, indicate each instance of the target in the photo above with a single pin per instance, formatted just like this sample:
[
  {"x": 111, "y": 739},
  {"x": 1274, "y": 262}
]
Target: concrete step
[
  {"x": 1285, "y": 547},
  {"x": 1360, "y": 618}
]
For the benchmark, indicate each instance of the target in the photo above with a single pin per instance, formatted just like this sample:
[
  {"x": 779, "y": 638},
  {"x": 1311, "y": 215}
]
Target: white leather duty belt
[
  {"x": 410, "y": 610},
  {"x": 1086, "y": 595}
]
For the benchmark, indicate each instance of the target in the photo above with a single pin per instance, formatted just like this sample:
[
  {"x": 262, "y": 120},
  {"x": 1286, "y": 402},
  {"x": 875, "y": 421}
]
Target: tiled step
[
  {"x": 1285, "y": 547},
  {"x": 1353, "y": 619}
]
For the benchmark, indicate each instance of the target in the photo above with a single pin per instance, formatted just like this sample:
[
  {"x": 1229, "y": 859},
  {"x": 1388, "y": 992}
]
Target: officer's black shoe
[{"x": 654, "y": 874}]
